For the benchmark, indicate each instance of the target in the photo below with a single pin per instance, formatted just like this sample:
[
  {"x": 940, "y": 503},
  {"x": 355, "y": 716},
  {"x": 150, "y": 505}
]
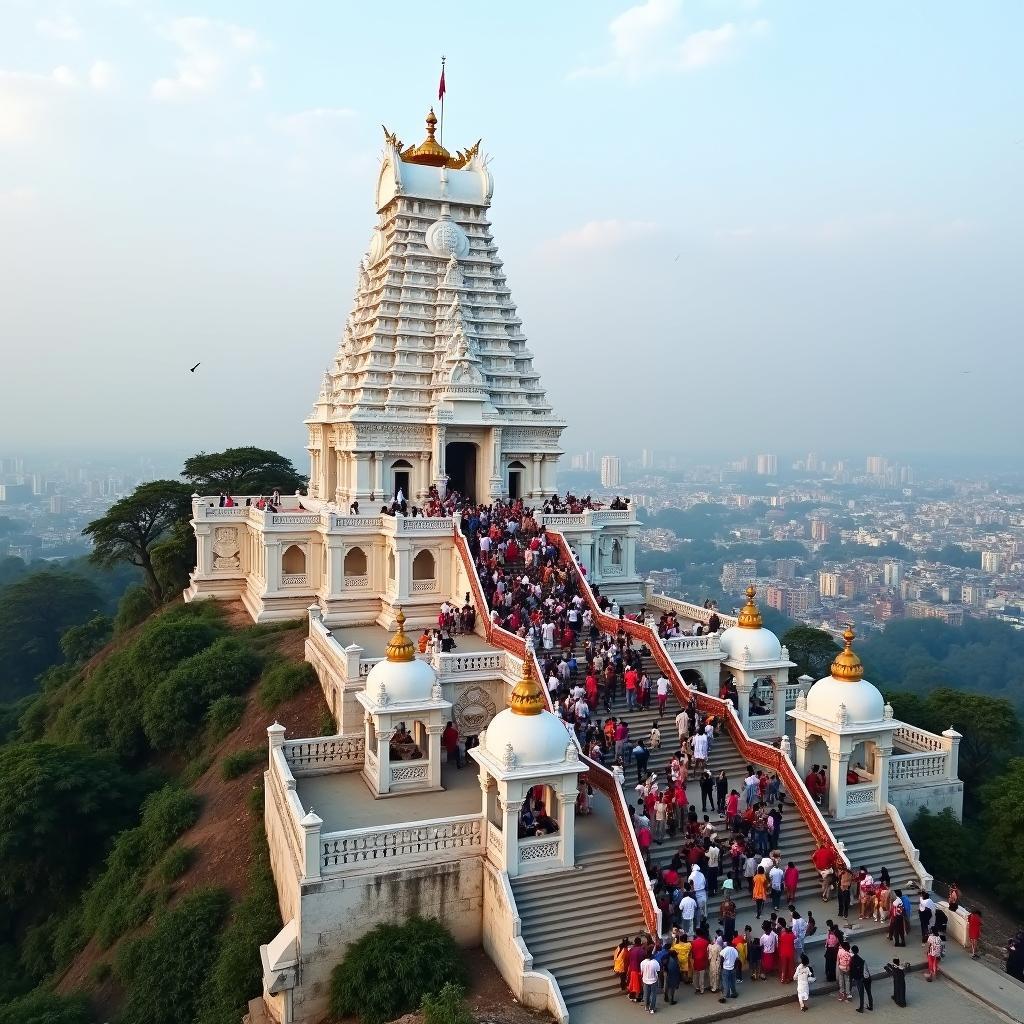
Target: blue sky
[{"x": 729, "y": 225}]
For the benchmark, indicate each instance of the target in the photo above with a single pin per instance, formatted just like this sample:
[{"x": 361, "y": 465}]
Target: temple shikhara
[{"x": 468, "y": 777}]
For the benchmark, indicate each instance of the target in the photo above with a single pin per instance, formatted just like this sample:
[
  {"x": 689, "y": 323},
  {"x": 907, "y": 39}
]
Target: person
[
  {"x": 424, "y": 641},
  {"x": 823, "y": 859},
  {"x": 688, "y": 910},
  {"x": 650, "y": 972},
  {"x": 641, "y": 755},
  {"x": 791, "y": 879},
  {"x": 897, "y": 920},
  {"x": 973, "y": 931},
  {"x": 450, "y": 741},
  {"x": 727, "y": 912},
  {"x": 925, "y": 910},
  {"x": 776, "y": 878},
  {"x": 897, "y": 971},
  {"x": 673, "y": 976},
  {"x": 803, "y": 976},
  {"x": 860, "y": 975},
  {"x": 846, "y": 880},
  {"x": 699, "y": 958},
  {"x": 730, "y": 958},
  {"x": 934, "y": 948},
  {"x": 760, "y": 891},
  {"x": 954, "y": 898},
  {"x": 636, "y": 957},
  {"x": 769, "y": 949},
  {"x": 844, "y": 958},
  {"x": 787, "y": 954},
  {"x": 620, "y": 963},
  {"x": 715, "y": 964},
  {"x": 753, "y": 953}
]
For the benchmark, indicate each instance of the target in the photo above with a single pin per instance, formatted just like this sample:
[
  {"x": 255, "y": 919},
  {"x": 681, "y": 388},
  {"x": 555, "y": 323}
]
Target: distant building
[
  {"x": 767, "y": 465},
  {"x": 799, "y": 600},
  {"x": 893, "y": 574},
  {"x": 820, "y": 531},
  {"x": 647, "y": 458},
  {"x": 991, "y": 561},
  {"x": 56, "y": 504},
  {"x": 785, "y": 568},
  {"x": 736, "y": 575},
  {"x": 828, "y": 583},
  {"x": 664, "y": 580},
  {"x": 889, "y": 607},
  {"x": 876, "y": 465},
  {"x": 951, "y": 614},
  {"x": 610, "y": 471},
  {"x": 15, "y": 494}
]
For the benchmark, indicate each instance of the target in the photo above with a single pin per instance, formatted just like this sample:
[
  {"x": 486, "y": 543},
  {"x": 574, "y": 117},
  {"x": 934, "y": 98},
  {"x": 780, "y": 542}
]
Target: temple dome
[
  {"x": 846, "y": 688},
  {"x": 405, "y": 679},
  {"x": 536, "y": 735},
  {"x": 749, "y": 632}
]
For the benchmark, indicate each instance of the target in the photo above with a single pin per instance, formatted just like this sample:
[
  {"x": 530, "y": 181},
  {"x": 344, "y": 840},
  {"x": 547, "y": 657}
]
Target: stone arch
[
  {"x": 424, "y": 566},
  {"x": 293, "y": 561},
  {"x": 616, "y": 553},
  {"x": 401, "y": 478},
  {"x": 693, "y": 679},
  {"x": 355, "y": 562}
]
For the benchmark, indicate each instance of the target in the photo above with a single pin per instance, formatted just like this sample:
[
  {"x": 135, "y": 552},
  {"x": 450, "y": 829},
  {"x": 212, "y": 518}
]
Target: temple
[{"x": 474, "y": 635}]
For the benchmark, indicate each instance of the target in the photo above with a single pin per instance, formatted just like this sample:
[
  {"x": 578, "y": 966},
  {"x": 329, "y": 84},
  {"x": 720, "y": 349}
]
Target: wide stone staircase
[
  {"x": 573, "y": 920},
  {"x": 871, "y": 841}
]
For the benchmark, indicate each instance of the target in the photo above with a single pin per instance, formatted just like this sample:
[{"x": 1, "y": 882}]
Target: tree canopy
[
  {"x": 245, "y": 470},
  {"x": 812, "y": 649},
  {"x": 132, "y": 526}
]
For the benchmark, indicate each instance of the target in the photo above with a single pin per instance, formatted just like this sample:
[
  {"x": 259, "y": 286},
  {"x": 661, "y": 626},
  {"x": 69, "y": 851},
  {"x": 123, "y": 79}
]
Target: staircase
[
  {"x": 572, "y": 921},
  {"x": 871, "y": 841}
]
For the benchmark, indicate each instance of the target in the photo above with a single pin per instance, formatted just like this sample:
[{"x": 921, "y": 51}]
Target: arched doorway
[
  {"x": 694, "y": 680},
  {"x": 516, "y": 470},
  {"x": 460, "y": 465},
  {"x": 401, "y": 473}
]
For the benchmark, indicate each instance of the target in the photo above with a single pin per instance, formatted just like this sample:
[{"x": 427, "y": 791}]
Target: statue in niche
[
  {"x": 226, "y": 548},
  {"x": 453, "y": 276}
]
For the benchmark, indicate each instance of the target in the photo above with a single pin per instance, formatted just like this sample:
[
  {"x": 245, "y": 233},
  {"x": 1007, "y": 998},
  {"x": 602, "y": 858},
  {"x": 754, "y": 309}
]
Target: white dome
[
  {"x": 536, "y": 739},
  {"x": 404, "y": 681},
  {"x": 764, "y": 645},
  {"x": 863, "y": 701}
]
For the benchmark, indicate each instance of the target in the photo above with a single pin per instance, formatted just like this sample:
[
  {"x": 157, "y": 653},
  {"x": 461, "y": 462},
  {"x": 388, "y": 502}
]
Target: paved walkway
[{"x": 970, "y": 993}]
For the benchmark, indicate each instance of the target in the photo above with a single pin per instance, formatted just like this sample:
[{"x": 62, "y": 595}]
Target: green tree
[
  {"x": 133, "y": 525},
  {"x": 812, "y": 649},
  {"x": 1003, "y": 820},
  {"x": 946, "y": 845},
  {"x": 80, "y": 643},
  {"x": 174, "y": 558},
  {"x": 246, "y": 470},
  {"x": 59, "y": 808},
  {"x": 34, "y": 612}
]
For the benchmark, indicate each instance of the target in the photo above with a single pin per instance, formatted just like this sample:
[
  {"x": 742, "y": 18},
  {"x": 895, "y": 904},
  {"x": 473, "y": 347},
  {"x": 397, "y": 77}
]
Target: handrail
[
  {"x": 751, "y": 750},
  {"x": 599, "y": 776}
]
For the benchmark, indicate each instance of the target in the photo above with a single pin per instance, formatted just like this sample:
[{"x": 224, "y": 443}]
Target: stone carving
[
  {"x": 539, "y": 851},
  {"x": 510, "y": 759},
  {"x": 409, "y": 773},
  {"x": 453, "y": 275},
  {"x": 445, "y": 238},
  {"x": 226, "y": 548},
  {"x": 473, "y": 710},
  {"x": 843, "y": 715}
]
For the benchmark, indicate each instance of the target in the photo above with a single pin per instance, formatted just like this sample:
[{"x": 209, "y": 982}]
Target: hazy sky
[{"x": 729, "y": 225}]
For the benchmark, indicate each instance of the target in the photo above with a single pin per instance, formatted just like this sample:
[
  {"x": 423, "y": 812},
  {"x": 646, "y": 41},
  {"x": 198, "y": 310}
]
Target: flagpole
[{"x": 441, "y": 140}]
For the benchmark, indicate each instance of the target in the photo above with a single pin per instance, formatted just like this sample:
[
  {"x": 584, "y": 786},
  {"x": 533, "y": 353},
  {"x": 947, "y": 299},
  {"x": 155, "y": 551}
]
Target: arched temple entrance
[
  {"x": 402, "y": 479},
  {"x": 460, "y": 465},
  {"x": 516, "y": 472}
]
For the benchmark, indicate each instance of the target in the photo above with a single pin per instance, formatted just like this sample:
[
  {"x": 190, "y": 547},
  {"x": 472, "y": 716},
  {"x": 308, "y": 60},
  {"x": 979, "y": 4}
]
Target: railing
[
  {"x": 710, "y": 644},
  {"x": 750, "y": 750},
  {"x": 216, "y": 512},
  {"x": 686, "y": 610},
  {"x": 495, "y": 841},
  {"x": 910, "y": 769},
  {"x": 790, "y": 695},
  {"x": 294, "y": 519},
  {"x": 324, "y": 754},
  {"x": 405, "y": 771},
  {"x": 461, "y": 664},
  {"x": 361, "y": 523},
  {"x": 406, "y": 843},
  {"x": 913, "y": 853},
  {"x": 288, "y": 806},
  {"x": 598, "y": 776},
  {"x": 365, "y": 664},
  {"x": 762, "y": 725},
  {"x": 357, "y": 582},
  {"x": 540, "y": 849},
  {"x": 423, "y": 586},
  {"x": 861, "y": 798},
  {"x": 909, "y": 737},
  {"x": 294, "y": 579}
]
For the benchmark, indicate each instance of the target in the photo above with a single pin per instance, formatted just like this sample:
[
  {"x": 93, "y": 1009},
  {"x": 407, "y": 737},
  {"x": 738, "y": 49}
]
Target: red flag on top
[{"x": 440, "y": 85}]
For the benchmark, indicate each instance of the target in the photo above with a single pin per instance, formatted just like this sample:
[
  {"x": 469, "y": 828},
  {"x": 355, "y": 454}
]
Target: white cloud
[
  {"x": 65, "y": 76},
  {"x": 60, "y": 26},
  {"x": 603, "y": 234},
  {"x": 257, "y": 80},
  {"x": 653, "y": 38},
  {"x": 25, "y": 102},
  {"x": 209, "y": 51},
  {"x": 102, "y": 76}
]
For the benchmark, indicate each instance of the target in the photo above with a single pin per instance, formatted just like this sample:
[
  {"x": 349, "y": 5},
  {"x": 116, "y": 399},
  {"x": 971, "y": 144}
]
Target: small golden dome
[
  {"x": 527, "y": 698},
  {"x": 400, "y": 648},
  {"x": 429, "y": 151},
  {"x": 750, "y": 615},
  {"x": 847, "y": 665}
]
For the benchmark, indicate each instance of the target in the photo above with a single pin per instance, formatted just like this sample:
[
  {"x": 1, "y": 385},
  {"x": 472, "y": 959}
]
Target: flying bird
[{"x": 194, "y": 368}]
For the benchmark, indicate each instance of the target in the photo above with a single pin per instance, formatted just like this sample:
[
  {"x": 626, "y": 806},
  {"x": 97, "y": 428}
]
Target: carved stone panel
[
  {"x": 226, "y": 548},
  {"x": 473, "y": 710}
]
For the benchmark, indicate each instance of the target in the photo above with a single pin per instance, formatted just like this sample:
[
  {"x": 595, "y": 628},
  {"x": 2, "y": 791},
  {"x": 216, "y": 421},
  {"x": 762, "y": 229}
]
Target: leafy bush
[
  {"x": 164, "y": 972},
  {"x": 223, "y": 717},
  {"x": 135, "y": 606},
  {"x": 446, "y": 1007},
  {"x": 283, "y": 681},
  {"x": 947, "y": 848},
  {"x": 388, "y": 971},
  {"x": 80, "y": 643},
  {"x": 175, "y": 706},
  {"x": 236, "y": 976},
  {"x": 43, "y": 1007},
  {"x": 241, "y": 761},
  {"x": 175, "y": 862}
]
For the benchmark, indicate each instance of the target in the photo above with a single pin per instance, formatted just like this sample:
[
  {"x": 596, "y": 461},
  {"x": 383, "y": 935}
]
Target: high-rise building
[
  {"x": 820, "y": 531},
  {"x": 785, "y": 568},
  {"x": 893, "y": 574},
  {"x": 56, "y": 504},
  {"x": 828, "y": 583},
  {"x": 736, "y": 575},
  {"x": 610, "y": 474},
  {"x": 991, "y": 561},
  {"x": 647, "y": 458},
  {"x": 875, "y": 465},
  {"x": 767, "y": 465},
  {"x": 799, "y": 600}
]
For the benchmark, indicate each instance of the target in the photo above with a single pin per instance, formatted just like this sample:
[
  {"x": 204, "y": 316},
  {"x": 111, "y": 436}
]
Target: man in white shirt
[
  {"x": 700, "y": 890},
  {"x": 729, "y": 957},
  {"x": 775, "y": 876},
  {"x": 547, "y": 632},
  {"x": 699, "y": 744},
  {"x": 688, "y": 910},
  {"x": 650, "y": 969},
  {"x": 683, "y": 726},
  {"x": 661, "y": 687}
]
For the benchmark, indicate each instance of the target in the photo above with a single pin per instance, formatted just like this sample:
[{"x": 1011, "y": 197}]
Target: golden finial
[
  {"x": 400, "y": 648},
  {"x": 429, "y": 151},
  {"x": 750, "y": 615},
  {"x": 847, "y": 665},
  {"x": 527, "y": 698}
]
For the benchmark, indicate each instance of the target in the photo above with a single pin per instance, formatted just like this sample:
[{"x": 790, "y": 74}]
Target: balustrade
[
  {"x": 323, "y": 754},
  {"x": 910, "y": 769},
  {"x": 908, "y": 737},
  {"x": 357, "y": 582},
  {"x": 294, "y": 579},
  {"x": 448, "y": 839}
]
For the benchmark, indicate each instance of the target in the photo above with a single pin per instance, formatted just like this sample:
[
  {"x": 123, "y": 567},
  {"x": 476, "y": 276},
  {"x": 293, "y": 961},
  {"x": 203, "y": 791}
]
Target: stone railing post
[
  {"x": 806, "y": 682},
  {"x": 315, "y": 614},
  {"x": 952, "y": 745},
  {"x": 311, "y": 825},
  {"x": 352, "y": 655},
  {"x": 275, "y": 737}
]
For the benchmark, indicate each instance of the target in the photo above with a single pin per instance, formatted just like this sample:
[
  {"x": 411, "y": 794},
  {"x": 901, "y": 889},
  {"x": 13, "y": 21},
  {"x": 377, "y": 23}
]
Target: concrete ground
[
  {"x": 344, "y": 801},
  {"x": 967, "y": 992}
]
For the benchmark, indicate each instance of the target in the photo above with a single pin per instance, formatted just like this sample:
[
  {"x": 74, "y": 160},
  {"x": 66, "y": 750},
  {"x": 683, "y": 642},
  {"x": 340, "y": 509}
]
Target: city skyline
[{"x": 179, "y": 189}]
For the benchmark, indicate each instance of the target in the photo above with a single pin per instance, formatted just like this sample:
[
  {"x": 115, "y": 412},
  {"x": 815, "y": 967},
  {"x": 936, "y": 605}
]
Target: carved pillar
[
  {"x": 744, "y": 684},
  {"x": 423, "y": 482},
  {"x": 567, "y": 818},
  {"x": 311, "y": 825},
  {"x": 953, "y": 739},
  {"x": 881, "y": 772},
  {"x": 839, "y": 763},
  {"x": 273, "y": 569},
  {"x": 434, "y": 743},
  {"x": 384, "y": 758},
  {"x": 548, "y": 475},
  {"x": 378, "y": 476},
  {"x": 361, "y": 483},
  {"x": 802, "y": 743},
  {"x": 439, "y": 463},
  {"x": 535, "y": 476},
  {"x": 497, "y": 484},
  {"x": 510, "y": 810}
]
